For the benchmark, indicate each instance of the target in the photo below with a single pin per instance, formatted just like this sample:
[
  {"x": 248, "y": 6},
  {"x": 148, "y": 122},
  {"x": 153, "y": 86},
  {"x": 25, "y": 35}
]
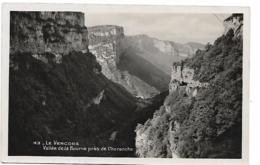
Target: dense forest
[{"x": 50, "y": 101}]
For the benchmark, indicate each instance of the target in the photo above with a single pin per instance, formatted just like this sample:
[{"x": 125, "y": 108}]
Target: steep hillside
[
  {"x": 49, "y": 101},
  {"x": 202, "y": 115},
  {"x": 158, "y": 52},
  {"x": 56, "y": 88},
  {"x": 125, "y": 134}
]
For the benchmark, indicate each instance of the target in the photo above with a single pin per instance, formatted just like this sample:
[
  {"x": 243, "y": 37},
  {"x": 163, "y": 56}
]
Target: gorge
[{"x": 143, "y": 96}]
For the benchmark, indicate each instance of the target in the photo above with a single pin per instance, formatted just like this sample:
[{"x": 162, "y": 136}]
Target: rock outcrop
[
  {"x": 202, "y": 115},
  {"x": 183, "y": 77},
  {"x": 235, "y": 23},
  {"x": 57, "y": 33},
  {"x": 105, "y": 44},
  {"x": 182, "y": 84}
]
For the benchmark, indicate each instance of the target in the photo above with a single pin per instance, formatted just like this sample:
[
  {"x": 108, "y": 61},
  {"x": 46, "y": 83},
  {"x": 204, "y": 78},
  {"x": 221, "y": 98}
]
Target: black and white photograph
[{"x": 122, "y": 82}]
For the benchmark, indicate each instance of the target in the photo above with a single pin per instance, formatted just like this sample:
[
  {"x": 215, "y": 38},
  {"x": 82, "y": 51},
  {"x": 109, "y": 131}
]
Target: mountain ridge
[{"x": 160, "y": 52}]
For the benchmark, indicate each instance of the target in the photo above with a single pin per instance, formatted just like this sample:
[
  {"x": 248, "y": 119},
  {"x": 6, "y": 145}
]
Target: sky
[{"x": 176, "y": 27}]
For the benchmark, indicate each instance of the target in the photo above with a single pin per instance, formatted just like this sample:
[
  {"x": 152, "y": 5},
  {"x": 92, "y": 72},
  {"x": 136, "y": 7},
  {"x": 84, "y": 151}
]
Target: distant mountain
[
  {"x": 160, "y": 53},
  {"x": 196, "y": 45}
]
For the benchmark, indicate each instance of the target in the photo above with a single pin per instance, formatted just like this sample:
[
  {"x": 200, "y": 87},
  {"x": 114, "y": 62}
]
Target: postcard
[{"x": 125, "y": 84}]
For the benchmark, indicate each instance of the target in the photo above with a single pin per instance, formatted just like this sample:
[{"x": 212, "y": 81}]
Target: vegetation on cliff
[
  {"x": 49, "y": 101},
  {"x": 208, "y": 125}
]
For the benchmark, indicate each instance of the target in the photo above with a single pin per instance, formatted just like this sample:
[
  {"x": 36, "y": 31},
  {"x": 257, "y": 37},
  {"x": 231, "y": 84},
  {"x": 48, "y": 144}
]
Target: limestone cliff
[
  {"x": 105, "y": 44},
  {"x": 56, "y": 33},
  {"x": 202, "y": 115},
  {"x": 235, "y": 23},
  {"x": 182, "y": 79}
]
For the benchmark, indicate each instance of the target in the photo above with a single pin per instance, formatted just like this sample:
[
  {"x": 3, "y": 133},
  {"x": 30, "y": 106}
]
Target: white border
[{"x": 122, "y": 8}]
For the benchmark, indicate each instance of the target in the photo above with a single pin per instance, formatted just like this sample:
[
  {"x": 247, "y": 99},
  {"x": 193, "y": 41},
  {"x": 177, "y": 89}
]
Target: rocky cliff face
[
  {"x": 105, "y": 43},
  {"x": 182, "y": 80},
  {"x": 235, "y": 23},
  {"x": 201, "y": 117},
  {"x": 41, "y": 32}
]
